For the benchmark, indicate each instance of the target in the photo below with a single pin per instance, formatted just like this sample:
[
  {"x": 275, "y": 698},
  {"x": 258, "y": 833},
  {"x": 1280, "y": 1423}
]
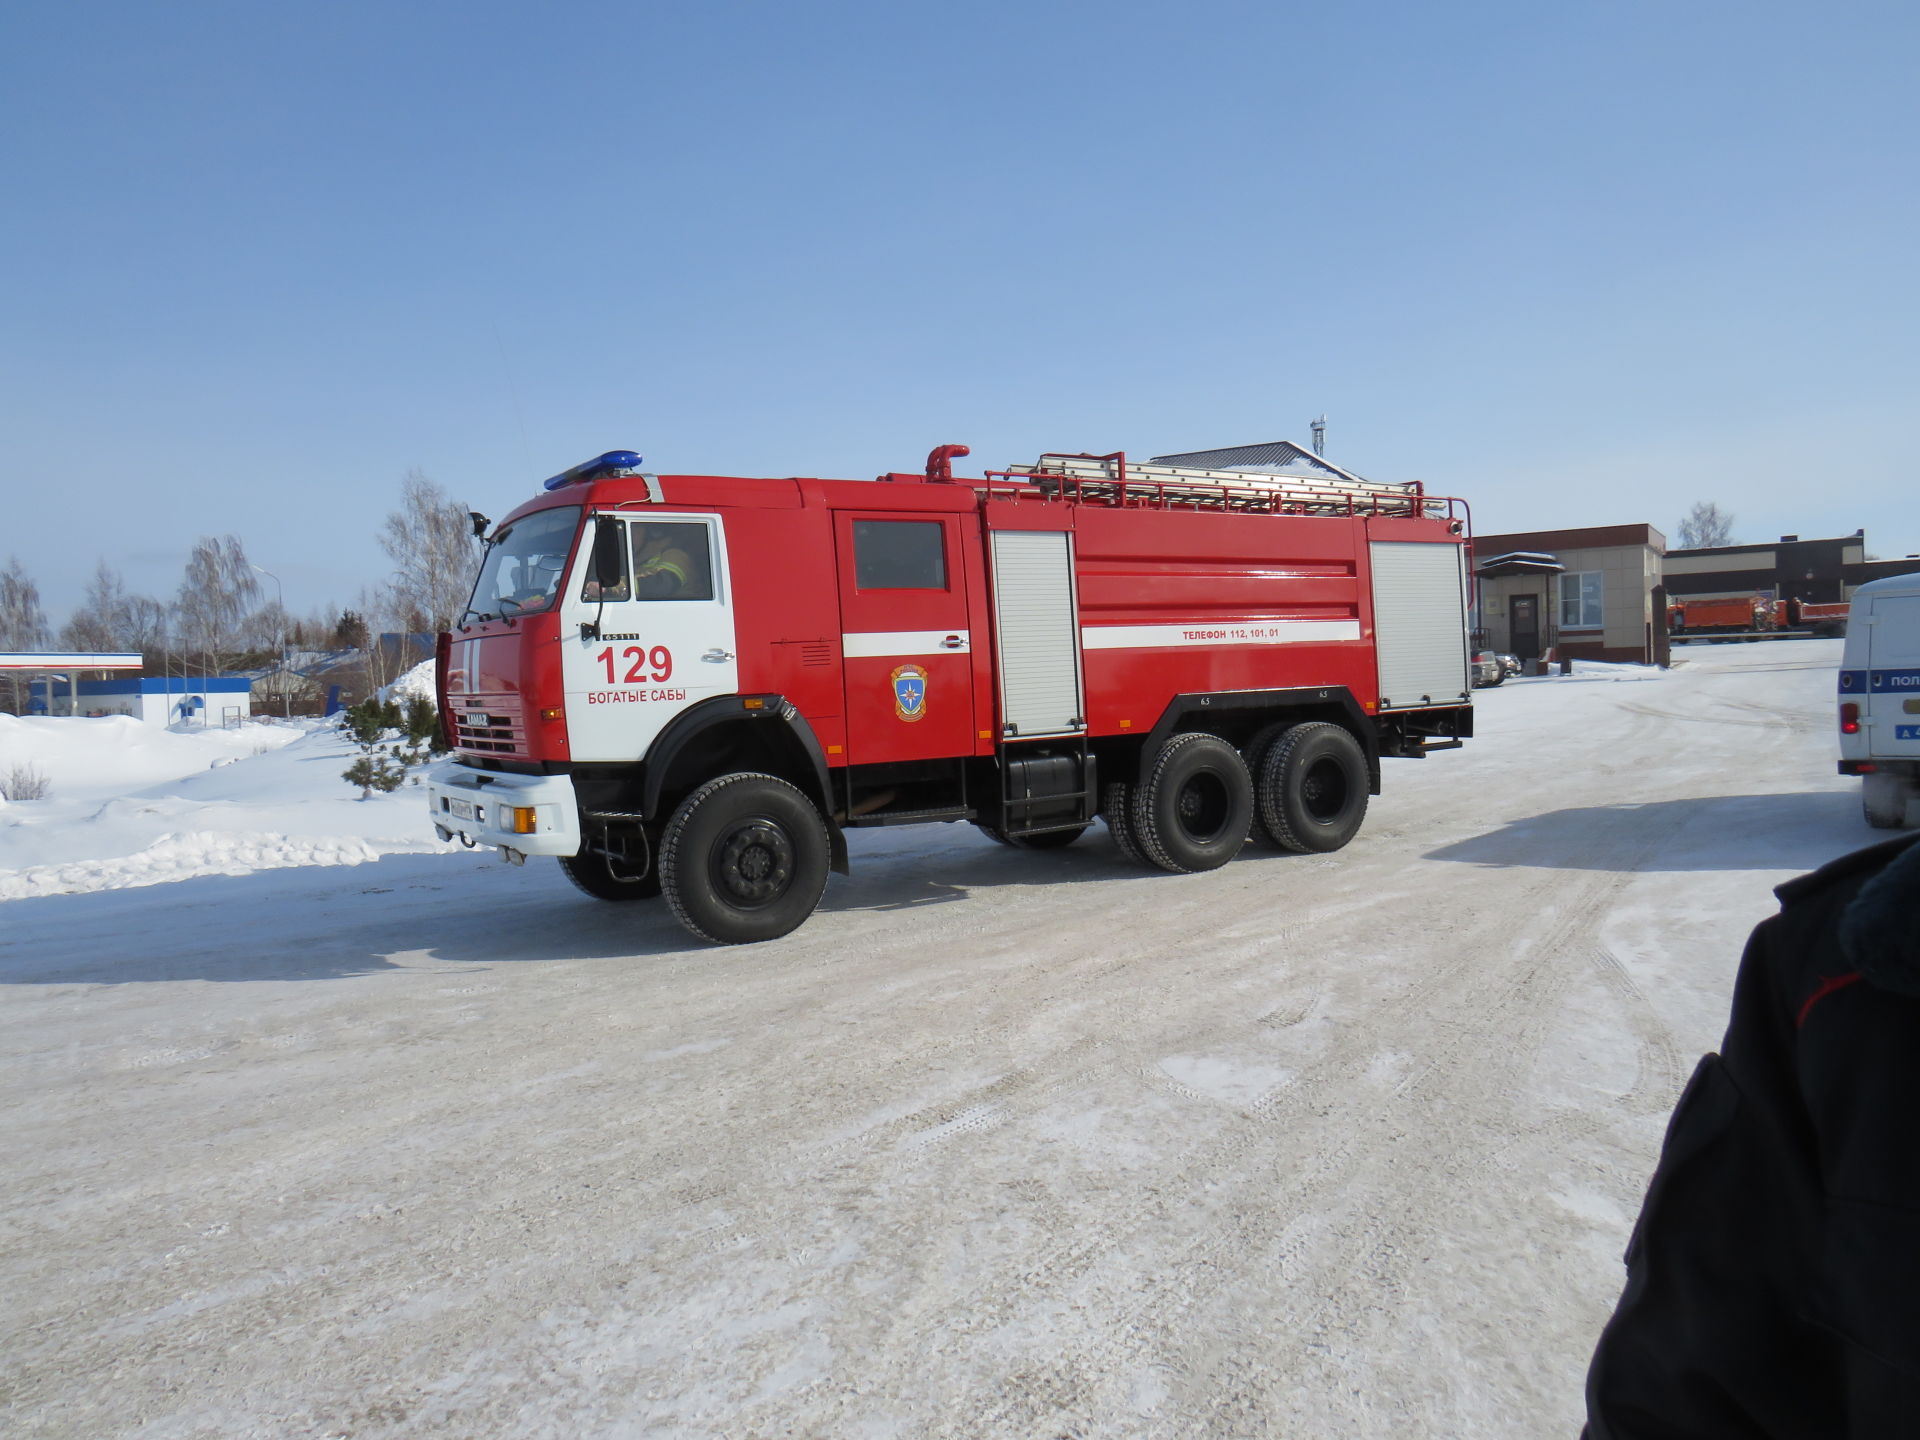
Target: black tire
[
  {"x": 1195, "y": 807},
  {"x": 594, "y": 874},
  {"x": 1045, "y": 840},
  {"x": 1313, "y": 788},
  {"x": 1255, "y": 753},
  {"x": 1884, "y": 804},
  {"x": 744, "y": 859},
  {"x": 1116, "y": 808}
]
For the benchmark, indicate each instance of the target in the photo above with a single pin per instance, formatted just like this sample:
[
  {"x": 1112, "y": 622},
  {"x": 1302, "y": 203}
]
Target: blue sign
[
  {"x": 1880, "y": 682},
  {"x": 1906, "y": 732}
]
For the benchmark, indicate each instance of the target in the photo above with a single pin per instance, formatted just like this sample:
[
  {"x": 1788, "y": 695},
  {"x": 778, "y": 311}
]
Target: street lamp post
[{"x": 280, "y": 626}]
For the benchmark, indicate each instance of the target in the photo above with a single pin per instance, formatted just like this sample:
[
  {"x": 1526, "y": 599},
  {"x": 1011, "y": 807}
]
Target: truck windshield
[{"x": 521, "y": 573}]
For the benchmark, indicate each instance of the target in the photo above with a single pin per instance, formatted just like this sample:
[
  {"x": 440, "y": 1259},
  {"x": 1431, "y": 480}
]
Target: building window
[{"x": 1580, "y": 593}]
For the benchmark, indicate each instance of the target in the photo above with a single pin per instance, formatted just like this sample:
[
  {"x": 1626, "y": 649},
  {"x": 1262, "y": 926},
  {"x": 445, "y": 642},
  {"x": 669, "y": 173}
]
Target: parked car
[{"x": 1488, "y": 670}]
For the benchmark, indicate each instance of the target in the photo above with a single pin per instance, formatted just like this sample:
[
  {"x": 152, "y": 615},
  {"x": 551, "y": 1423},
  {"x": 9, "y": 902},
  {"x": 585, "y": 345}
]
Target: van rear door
[{"x": 1893, "y": 676}]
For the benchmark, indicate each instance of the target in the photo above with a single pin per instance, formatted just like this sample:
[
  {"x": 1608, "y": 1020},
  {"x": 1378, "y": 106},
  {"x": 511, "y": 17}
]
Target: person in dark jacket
[{"x": 1773, "y": 1278}]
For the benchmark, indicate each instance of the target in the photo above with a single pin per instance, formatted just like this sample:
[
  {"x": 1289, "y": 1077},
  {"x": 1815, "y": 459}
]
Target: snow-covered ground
[
  {"x": 130, "y": 804},
  {"x": 999, "y": 1144}
]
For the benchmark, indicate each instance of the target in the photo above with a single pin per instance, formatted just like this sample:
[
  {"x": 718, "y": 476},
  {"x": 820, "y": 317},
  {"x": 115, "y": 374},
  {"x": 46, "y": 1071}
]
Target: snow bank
[
  {"x": 132, "y": 806},
  {"x": 416, "y": 684},
  {"x": 116, "y": 754}
]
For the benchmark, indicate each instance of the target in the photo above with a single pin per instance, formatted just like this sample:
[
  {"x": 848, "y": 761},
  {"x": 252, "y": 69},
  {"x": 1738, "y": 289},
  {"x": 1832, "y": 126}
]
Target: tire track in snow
[{"x": 1483, "y": 1060}]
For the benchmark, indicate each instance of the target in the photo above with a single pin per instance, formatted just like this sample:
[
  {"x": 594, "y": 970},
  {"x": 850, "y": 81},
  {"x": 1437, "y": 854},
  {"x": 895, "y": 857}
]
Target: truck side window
[
  {"x": 672, "y": 560},
  {"x": 899, "y": 555}
]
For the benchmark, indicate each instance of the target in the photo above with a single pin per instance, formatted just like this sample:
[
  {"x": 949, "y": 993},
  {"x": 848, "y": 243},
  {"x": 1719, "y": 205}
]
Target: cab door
[
  {"x": 906, "y": 636},
  {"x": 658, "y": 641}
]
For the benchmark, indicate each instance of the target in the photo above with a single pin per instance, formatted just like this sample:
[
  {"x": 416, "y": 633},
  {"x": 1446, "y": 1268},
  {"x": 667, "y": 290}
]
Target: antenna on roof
[{"x": 1320, "y": 436}]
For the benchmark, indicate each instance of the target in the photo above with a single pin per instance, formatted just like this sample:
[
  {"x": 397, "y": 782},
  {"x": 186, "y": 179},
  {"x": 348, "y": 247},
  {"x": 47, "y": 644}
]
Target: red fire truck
[{"x": 692, "y": 685}]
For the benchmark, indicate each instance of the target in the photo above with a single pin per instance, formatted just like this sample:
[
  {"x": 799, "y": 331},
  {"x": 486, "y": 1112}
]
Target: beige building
[{"x": 1592, "y": 594}]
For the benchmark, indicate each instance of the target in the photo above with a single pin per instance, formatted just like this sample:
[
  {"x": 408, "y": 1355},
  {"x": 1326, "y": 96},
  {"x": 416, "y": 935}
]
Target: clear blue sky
[{"x": 1580, "y": 263}]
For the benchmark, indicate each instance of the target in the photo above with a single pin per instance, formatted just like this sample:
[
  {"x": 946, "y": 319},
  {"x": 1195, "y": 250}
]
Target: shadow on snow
[
  {"x": 1724, "y": 832},
  {"x": 428, "y": 912}
]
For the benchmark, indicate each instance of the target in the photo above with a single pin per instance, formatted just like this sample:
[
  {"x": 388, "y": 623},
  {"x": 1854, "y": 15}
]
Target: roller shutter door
[
  {"x": 1419, "y": 624},
  {"x": 1037, "y": 633}
]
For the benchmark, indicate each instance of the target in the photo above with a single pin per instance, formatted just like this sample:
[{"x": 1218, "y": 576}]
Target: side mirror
[
  {"x": 609, "y": 559},
  {"x": 479, "y": 523}
]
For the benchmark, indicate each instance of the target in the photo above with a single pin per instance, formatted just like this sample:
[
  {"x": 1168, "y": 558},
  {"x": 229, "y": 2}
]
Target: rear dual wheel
[
  {"x": 1044, "y": 840},
  {"x": 1193, "y": 809},
  {"x": 1883, "y": 800},
  {"x": 744, "y": 859},
  {"x": 1312, "y": 787},
  {"x": 1116, "y": 808}
]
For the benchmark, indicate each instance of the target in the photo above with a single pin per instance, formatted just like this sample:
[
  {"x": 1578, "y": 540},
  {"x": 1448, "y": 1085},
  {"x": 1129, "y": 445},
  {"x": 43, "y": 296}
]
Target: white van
[{"x": 1880, "y": 698}]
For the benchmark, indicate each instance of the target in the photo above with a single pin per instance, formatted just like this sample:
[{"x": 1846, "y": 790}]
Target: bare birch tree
[
  {"x": 23, "y": 623},
  {"x": 1705, "y": 525},
  {"x": 100, "y": 620},
  {"x": 144, "y": 624},
  {"x": 216, "y": 597},
  {"x": 435, "y": 555}
]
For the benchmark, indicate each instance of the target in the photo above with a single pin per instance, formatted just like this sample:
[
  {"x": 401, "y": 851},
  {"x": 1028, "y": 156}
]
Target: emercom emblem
[{"x": 909, "y": 692}]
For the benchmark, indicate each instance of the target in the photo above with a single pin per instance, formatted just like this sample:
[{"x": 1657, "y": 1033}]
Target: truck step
[{"x": 914, "y": 817}]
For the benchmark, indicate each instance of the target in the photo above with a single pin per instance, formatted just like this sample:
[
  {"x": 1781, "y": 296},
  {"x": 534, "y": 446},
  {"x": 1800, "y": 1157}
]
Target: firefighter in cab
[{"x": 661, "y": 569}]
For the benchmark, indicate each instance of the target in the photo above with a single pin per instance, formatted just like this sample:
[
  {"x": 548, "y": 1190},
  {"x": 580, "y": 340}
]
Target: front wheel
[
  {"x": 1313, "y": 788},
  {"x": 744, "y": 859}
]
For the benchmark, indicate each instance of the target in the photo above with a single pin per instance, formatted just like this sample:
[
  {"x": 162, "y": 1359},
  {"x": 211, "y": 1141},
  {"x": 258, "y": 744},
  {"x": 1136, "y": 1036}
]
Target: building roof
[
  {"x": 1593, "y": 537},
  {"x": 1518, "y": 562},
  {"x": 1275, "y": 457},
  {"x": 69, "y": 660},
  {"x": 1859, "y": 537},
  {"x": 166, "y": 685}
]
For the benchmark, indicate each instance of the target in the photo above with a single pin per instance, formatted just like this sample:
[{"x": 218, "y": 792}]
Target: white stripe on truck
[
  {"x": 870, "y": 644},
  {"x": 1253, "y": 632}
]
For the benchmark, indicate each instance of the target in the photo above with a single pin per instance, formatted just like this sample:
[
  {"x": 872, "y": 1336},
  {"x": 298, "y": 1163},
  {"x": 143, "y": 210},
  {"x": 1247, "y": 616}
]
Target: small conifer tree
[{"x": 390, "y": 741}]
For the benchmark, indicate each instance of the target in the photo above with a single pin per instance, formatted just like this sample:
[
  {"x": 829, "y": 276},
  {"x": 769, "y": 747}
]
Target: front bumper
[{"x": 485, "y": 807}]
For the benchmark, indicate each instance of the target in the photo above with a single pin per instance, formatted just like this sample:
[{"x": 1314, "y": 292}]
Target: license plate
[
  {"x": 1906, "y": 732},
  {"x": 464, "y": 810}
]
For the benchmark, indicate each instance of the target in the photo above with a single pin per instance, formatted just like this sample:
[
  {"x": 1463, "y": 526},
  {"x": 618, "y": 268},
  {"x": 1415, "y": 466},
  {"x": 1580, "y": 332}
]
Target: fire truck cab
[{"x": 692, "y": 685}]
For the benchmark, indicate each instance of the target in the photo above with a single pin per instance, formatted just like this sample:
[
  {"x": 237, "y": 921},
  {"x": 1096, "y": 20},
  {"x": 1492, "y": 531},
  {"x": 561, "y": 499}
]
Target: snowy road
[{"x": 1000, "y": 1144}]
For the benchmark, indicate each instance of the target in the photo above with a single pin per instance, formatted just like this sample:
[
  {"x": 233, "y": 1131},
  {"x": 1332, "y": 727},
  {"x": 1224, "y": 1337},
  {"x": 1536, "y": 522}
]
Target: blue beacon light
[{"x": 614, "y": 462}]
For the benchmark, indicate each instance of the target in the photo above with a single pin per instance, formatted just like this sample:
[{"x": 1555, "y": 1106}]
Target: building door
[{"x": 1523, "y": 626}]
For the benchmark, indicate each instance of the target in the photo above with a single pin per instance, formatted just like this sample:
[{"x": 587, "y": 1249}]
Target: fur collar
[{"x": 1880, "y": 930}]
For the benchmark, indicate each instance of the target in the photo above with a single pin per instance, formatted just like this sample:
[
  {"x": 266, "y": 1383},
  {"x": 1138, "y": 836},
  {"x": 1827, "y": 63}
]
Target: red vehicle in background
[
  {"x": 1745, "y": 615},
  {"x": 692, "y": 685}
]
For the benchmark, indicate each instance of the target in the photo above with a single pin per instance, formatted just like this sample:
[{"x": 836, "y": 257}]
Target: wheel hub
[
  {"x": 753, "y": 863},
  {"x": 1202, "y": 806},
  {"x": 1323, "y": 789}
]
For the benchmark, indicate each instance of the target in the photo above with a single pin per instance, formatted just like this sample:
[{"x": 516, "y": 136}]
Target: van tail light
[{"x": 1849, "y": 717}]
